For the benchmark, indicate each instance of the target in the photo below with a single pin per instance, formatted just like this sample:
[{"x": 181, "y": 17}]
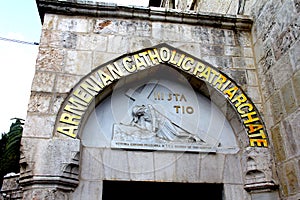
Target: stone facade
[
  {"x": 259, "y": 54},
  {"x": 275, "y": 36}
]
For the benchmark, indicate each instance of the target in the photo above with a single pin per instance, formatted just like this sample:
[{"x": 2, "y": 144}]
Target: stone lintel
[{"x": 96, "y": 9}]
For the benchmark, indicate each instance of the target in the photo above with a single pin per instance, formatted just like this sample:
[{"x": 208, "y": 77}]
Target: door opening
[{"x": 137, "y": 190}]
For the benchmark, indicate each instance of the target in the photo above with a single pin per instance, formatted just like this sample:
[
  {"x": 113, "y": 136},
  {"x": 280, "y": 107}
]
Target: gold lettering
[
  {"x": 154, "y": 56},
  {"x": 139, "y": 62},
  {"x": 144, "y": 55},
  {"x": 69, "y": 130},
  {"x": 220, "y": 80},
  {"x": 187, "y": 60},
  {"x": 176, "y": 108},
  {"x": 225, "y": 85},
  {"x": 69, "y": 119},
  {"x": 165, "y": 54},
  {"x": 115, "y": 70},
  {"x": 199, "y": 68},
  {"x": 258, "y": 142},
  {"x": 75, "y": 107},
  {"x": 180, "y": 60},
  {"x": 91, "y": 87},
  {"x": 182, "y": 98},
  {"x": 125, "y": 62},
  {"x": 231, "y": 91},
  {"x": 250, "y": 108},
  {"x": 172, "y": 61},
  {"x": 214, "y": 73},
  {"x": 84, "y": 96},
  {"x": 105, "y": 78},
  {"x": 260, "y": 134},
  {"x": 250, "y": 118},
  {"x": 254, "y": 127},
  {"x": 205, "y": 73},
  {"x": 240, "y": 99}
]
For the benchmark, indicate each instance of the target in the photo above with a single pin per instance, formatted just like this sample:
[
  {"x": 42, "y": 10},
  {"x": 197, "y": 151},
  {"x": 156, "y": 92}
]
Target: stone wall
[
  {"x": 276, "y": 34},
  {"x": 75, "y": 40}
]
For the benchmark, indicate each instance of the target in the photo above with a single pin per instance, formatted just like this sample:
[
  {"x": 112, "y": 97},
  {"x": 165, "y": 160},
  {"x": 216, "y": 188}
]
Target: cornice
[{"x": 98, "y": 9}]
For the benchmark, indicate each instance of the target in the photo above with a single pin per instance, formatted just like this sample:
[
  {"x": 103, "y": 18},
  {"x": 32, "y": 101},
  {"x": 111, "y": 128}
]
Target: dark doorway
[{"x": 137, "y": 190}]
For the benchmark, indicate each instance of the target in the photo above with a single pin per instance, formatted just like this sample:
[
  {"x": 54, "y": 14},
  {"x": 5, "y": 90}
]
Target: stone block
[
  {"x": 289, "y": 134},
  {"x": 106, "y": 26},
  {"x": 78, "y": 62},
  {"x": 74, "y": 24},
  {"x": 39, "y": 102},
  {"x": 243, "y": 63},
  {"x": 296, "y": 85},
  {"x": 220, "y": 62},
  {"x": 187, "y": 167},
  {"x": 115, "y": 164},
  {"x": 50, "y": 59},
  {"x": 212, "y": 50},
  {"x": 282, "y": 72},
  {"x": 91, "y": 42},
  {"x": 278, "y": 144},
  {"x": 64, "y": 83},
  {"x": 69, "y": 40},
  {"x": 232, "y": 51},
  {"x": 118, "y": 44},
  {"x": 292, "y": 178},
  {"x": 43, "y": 82},
  {"x": 276, "y": 107},
  {"x": 141, "y": 166},
  {"x": 244, "y": 38},
  {"x": 51, "y": 38},
  {"x": 99, "y": 58},
  {"x": 288, "y": 98},
  {"x": 254, "y": 93},
  {"x": 50, "y": 22},
  {"x": 230, "y": 37},
  {"x": 201, "y": 34},
  {"x": 251, "y": 77},
  {"x": 212, "y": 167},
  {"x": 135, "y": 28},
  {"x": 43, "y": 130},
  {"x": 92, "y": 164},
  {"x": 90, "y": 189},
  {"x": 232, "y": 170},
  {"x": 165, "y": 166},
  {"x": 233, "y": 191},
  {"x": 56, "y": 103},
  {"x": 217, "y": 36},
  {"x": 294, "y": 53}
]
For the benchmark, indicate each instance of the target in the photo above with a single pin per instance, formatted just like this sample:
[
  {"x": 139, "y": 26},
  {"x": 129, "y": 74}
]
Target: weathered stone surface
[
  {"x": 141, "y": 165},
  {"x": 292, "y": 178},
  {"x": 187, "y": 167},
  {"x": 78, "y": 62},
  {"x": 276, "y": 107},
  {"x": 74, "y": 24},
  {"x": 296, "y": 85},
  {"x": 90, "y": 189},
  {"x": 92, "y": 163},
  {"x": 45, "y": 128},
  {"x": 212, "y": 167},
  {"x": 91, "y": 42},
  {"x": 64, "y": 83},
  {"x": 236, "y": 191},
  {"x": 115, "y": 164},
  {"x": 294, "y": 56},
  {"x": 50, "y": 60},
  {"x": 43, "y": 82},
  {"x": 278, "y": 144},
  {"x": 165, "y": 166},
  {"x": 232, "y": 51},
  {"x": 288, "y": 98},
  {"x": 232, "y": 170},
  {"x": 39, "y": 102}
]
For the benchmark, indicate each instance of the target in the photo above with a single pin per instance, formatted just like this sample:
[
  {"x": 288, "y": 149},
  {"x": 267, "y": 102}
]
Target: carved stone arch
[
  {"x": 99, "y": 83},
  {"x": 205, "y": 78}
]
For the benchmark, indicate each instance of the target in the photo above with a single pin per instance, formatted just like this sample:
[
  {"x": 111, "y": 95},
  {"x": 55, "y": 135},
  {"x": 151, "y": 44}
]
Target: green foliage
[{"x": 10, "y": 149}]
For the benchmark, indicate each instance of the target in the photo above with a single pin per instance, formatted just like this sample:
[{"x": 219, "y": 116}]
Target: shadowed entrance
[{"x": 136, "y": 190}]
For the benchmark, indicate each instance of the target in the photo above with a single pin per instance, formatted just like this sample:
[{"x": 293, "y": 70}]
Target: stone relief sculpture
[{"x": 148, "y": 119}]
